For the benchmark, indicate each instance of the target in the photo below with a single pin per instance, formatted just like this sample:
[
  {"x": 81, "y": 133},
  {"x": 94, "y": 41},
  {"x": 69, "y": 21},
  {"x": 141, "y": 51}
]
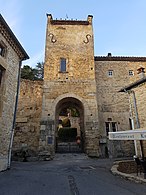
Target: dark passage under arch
[{"x": 69, "y": 121}]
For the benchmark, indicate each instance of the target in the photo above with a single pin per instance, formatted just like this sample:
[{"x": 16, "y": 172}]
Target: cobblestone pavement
[{"x": 67, "y": 174}]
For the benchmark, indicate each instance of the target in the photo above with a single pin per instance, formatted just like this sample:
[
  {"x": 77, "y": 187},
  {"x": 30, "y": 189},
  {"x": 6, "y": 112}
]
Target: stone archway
[{"x": 72, "y": 109}]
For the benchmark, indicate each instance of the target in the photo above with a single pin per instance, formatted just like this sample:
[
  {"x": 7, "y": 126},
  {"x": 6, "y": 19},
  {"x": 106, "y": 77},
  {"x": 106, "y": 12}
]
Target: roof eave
[
  {"x": 14, "y": 38},
  {"x": 133, "y": 85},
  {"x": 120, "y": 58}
]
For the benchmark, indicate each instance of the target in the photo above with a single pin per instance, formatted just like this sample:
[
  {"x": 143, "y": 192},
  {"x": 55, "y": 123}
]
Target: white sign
[{"x": 128, "y": 135}]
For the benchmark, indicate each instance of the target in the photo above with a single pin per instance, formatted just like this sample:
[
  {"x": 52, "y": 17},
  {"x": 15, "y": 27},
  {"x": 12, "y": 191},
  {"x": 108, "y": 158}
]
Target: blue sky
[{"x": 119, "y": 25}]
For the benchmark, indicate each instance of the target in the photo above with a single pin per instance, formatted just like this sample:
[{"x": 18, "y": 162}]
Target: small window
[
  {"x": 62, "y": 65},
  {"x": 114, "y": 126},
  {"x": 131, "y": 73},
  {"x": 110, "y": 73},
  {"x": 2, "y": 49},
  {"x": 110, "y": 127},
  {"x": 130, "y": 123}
]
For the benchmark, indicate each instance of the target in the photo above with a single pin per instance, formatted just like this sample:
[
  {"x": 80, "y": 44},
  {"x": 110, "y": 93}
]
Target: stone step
[{"x": 64, "y": 147}]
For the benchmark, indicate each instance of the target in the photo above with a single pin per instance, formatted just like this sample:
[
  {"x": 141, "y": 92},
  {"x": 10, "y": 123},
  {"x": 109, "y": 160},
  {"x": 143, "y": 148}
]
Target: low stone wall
[{"x": 128, "y": 166}]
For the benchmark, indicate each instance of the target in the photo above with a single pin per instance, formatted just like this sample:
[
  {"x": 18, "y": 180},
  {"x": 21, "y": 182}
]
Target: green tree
[
  {"x": 27, "y": 72},
  {"x": 39, "y": 71},
  {"x": 30, "y": 73}
]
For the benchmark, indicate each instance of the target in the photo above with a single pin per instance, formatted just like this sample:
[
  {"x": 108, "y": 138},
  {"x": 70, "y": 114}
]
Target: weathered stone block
[{"x": 21, "y": 120}]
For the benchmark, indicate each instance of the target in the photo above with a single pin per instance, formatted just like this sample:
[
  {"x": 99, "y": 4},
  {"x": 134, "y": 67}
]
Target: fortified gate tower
[{"x": 69, "y": 84}]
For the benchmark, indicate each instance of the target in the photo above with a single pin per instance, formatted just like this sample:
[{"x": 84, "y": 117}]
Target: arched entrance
[{"x": 69, "y": 125}]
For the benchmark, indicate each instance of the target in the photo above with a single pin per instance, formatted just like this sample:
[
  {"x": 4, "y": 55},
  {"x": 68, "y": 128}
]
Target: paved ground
[{"x": 70, "y": 174}]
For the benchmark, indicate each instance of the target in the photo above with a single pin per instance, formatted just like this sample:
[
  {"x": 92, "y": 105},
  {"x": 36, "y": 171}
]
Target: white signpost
[
  {"x": 128, "y": 135},
  {"x": 137, "y": 134}
]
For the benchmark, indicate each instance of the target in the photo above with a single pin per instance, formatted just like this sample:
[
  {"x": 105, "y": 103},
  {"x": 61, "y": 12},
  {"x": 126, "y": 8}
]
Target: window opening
[
  {"x": 63, "y": 65},
  {"x": 130, "y": 123},
  {"x": 110, "y": 73},
  {"x": 114, "y": 128},
  {"x": 110, "y": 127},
  {"x": 131, "y": 73}
]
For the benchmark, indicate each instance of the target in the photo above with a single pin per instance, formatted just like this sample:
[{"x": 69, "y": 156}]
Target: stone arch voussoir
[{"x": 69, "y": 95}]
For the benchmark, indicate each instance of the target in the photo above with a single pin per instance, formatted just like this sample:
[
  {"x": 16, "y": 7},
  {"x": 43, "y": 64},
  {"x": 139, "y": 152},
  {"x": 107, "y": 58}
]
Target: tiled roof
[{"x": 120, "y": 58}]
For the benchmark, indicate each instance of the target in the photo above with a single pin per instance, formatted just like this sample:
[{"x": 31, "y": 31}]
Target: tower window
[
  {"x": 110, "y": 73},
  {"x": 62, "y": 65},
  {"x": 131, "y": 73}
]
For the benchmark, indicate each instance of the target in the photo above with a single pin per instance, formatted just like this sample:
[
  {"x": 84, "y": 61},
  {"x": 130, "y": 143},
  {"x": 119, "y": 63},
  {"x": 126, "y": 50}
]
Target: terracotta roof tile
[{"x": 120, "y": 58}]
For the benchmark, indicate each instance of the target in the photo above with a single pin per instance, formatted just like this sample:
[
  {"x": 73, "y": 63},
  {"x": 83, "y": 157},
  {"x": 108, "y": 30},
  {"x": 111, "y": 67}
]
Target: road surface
[{"x": 67, "y": 174}]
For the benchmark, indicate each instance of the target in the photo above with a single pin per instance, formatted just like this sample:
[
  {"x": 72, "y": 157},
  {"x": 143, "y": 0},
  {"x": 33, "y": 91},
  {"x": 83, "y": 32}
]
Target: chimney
[
  {"x": 49, "y": 16},
  {"x": 141, "y": 72},
  {"x": 109, "y": 54},
  {"x": 89, "y": 19}
]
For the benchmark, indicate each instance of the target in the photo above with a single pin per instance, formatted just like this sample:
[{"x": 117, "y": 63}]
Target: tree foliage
[
  {"x": 30, "y": 73},
  {"x": 39, "y": 70},
  {"x": 27, "y": 73}
]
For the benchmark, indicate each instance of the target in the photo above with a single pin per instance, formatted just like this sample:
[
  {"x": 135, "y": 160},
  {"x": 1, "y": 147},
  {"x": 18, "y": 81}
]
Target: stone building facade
[
  {"x": 11, "y": 55},
  {"x": 75, "y": 78},
  {"x": 112, "y": 74},
  {"x": 136, "y": 93},
  {"x": 140, "y": 93}
]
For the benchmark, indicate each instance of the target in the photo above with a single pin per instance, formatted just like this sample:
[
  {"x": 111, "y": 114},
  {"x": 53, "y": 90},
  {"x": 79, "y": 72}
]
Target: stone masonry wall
[
  {"x": 8, "y": 97},
  {"x": 113, "y": 105},
  {"x": 140, "y": 93},
  {"x": 27, "y": 130}
]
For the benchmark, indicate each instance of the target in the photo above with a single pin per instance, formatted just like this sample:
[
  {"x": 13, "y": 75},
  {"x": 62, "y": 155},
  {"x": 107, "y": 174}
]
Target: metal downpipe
[{"x": 14, "y": 118}]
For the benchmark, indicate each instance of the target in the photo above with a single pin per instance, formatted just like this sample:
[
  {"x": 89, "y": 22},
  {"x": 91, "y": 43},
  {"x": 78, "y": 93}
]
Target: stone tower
[{"x": 69, "y": 81}]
